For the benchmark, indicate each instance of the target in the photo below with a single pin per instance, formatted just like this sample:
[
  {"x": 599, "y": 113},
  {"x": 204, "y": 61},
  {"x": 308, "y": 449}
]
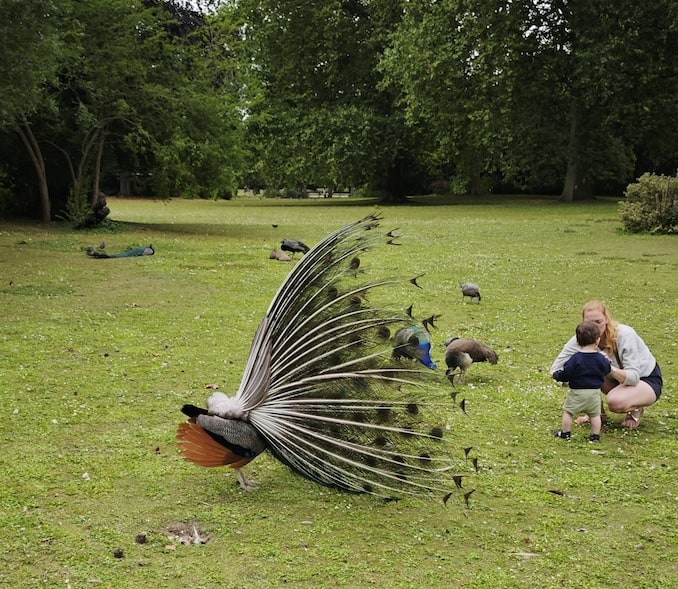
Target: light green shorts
[{"x": 583, "y": 401}]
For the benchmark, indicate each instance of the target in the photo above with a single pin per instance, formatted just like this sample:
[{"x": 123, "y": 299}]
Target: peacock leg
[{"x": 245, "y": 483}]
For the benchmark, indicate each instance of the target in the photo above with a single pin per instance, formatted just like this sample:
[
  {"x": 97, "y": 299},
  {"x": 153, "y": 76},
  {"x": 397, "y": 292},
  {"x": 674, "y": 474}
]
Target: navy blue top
[{"x": 584, "y": 370}]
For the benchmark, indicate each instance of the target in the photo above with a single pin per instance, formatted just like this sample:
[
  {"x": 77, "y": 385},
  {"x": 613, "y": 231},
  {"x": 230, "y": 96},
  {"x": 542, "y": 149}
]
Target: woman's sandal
[{"x": 633, "y": 418}]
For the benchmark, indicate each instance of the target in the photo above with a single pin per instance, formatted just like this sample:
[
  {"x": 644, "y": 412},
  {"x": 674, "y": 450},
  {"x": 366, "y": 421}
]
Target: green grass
[{"x": 97, "y": 356}]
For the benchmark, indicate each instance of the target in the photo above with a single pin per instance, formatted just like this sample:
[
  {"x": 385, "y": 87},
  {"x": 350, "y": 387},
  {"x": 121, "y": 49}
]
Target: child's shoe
[
  {"x": 562, "y": 435},
  {"x": 594, "y": 438}
]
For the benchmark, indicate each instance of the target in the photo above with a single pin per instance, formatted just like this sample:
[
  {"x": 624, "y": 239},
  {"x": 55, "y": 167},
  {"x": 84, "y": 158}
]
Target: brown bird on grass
[
  {"x": 461, "y": 353},
  {"x": 280, "y": 256}
]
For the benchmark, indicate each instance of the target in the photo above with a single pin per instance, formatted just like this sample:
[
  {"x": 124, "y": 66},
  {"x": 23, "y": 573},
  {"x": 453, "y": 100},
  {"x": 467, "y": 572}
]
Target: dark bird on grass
[
  {"x": 322, "y": 393},
  {"x": 293, "y": 246},
  {"x": 461, "y": 353},
  {"x": 471, "y": 290}
]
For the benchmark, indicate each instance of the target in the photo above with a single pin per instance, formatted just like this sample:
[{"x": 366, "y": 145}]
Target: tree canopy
[{"x": 171, "y": 98}]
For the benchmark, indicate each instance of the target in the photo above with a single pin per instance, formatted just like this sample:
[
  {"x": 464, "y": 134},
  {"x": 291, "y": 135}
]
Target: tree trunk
[
  {"x": 395, "y": 181},
  {"x": 125, "y": 188},
  {"x": 570, "y": 186},
  {"x": 572, "y": 172},
  {"x": 577, "y": 185},
  {"x": 97, "y": 166},
  {"x": 31, "y": 144},
  {"x": 475, "y": 186}
]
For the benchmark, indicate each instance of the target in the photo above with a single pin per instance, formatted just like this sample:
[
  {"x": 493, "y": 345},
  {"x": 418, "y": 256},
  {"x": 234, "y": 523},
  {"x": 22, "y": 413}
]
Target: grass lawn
[{"x": 97, "y": 357}]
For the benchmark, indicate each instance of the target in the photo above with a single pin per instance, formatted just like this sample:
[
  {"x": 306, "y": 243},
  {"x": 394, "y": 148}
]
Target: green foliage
[
  {"x": 31, "y": 48},
  {"x": 112, "y": 87},
  {"x": 77, "y": 205},
  {"x": 319, "y": 116},
  {"x": 651, "y": 205},
  {"x": 97, "y": 357},
  {"x": 205, "y": 96},
  {"x": 522, "y": 88}
]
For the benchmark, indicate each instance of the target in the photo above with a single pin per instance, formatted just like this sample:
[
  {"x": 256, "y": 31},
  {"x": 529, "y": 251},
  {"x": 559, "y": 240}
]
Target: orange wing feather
[{"x": 200, "y": 448}]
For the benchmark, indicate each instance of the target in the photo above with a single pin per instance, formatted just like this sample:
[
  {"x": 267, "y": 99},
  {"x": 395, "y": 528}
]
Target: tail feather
[
  {"x": 201, "y": 448},
  {"x": 324, "y": 392}
]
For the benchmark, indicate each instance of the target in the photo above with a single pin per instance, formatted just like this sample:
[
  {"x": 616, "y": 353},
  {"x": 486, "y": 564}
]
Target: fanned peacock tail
[{"x": 325, "y": 392}]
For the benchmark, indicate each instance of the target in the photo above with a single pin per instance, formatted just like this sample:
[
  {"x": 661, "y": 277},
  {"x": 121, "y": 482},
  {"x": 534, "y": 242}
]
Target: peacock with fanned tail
[{"x": 323, "y": 393}]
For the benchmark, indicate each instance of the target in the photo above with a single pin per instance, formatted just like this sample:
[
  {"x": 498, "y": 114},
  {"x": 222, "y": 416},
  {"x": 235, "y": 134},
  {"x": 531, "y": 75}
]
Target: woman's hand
[{"x": 618, "y": 374}]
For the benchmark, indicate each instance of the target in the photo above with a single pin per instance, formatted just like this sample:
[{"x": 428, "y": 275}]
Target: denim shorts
[{"x": 654, "y": 379}]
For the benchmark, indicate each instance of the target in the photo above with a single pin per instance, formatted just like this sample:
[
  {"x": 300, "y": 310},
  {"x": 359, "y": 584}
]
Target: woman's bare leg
[{"x": 631, "y": 399}]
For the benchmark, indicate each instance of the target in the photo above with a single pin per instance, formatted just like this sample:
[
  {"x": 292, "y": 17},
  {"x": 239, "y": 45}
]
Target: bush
[{"x": 651, "y": 205}]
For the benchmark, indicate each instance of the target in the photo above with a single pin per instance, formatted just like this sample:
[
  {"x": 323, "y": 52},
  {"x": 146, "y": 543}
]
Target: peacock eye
[
  {"x": 437, "y": 433},
  {"x": 384, "y": 333},
  {"x": 384, "y": 413}
]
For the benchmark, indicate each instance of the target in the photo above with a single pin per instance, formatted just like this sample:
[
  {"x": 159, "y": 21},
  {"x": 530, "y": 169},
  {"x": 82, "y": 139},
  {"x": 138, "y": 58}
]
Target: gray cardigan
[{"x": 635, "y": 356}]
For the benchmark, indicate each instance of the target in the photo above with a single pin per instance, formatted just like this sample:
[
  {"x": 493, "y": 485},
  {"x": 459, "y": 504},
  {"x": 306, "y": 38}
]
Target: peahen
[
  {"x": 471, "y": 290},
  {"x": 293, "y": 246},
  {"x": 461, "y": 353},
  {"x": 279, "y": 255},
  {"x": 323, "y": 394}
]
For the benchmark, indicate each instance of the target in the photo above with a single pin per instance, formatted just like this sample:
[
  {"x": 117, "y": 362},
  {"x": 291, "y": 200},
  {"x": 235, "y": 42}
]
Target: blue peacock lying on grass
[
  {"x": 147, "y": 250},
  {"x": 323, "y": 393}
]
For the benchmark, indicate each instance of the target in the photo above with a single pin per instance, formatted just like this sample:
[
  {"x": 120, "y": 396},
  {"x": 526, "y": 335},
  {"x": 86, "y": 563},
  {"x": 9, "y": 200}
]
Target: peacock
[
  {"x": 144, "y": 250},
  {"x": 414, "y": 341},
  {"x": 322, "y": 392},
  {"x": 461, "y": 353}
]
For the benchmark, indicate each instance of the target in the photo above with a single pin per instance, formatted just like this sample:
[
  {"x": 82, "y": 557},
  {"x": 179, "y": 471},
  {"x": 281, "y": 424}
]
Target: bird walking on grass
[
  {"x": 322, "y": 393},
  {"x": 461, "y": 353},
  {"x": 471, "y": 290},
  {"x": 414, "y": 342},
  {"x": 293, "y": 246}
]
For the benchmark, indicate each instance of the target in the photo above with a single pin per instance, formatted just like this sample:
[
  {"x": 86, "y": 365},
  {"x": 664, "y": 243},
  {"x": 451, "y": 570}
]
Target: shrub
[{"x": 651, "y": 205}]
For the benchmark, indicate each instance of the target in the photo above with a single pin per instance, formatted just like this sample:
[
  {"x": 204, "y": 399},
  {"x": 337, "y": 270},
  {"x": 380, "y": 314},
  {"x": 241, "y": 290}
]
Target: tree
[
  {"x": 605, "y": 50},
  {"x": 451, "y": 64},
  {"x": 135, "y": 88},
  {"x": 316, "y": 112},
  {"x": 544, "y": 93},
  {"x": 31, "y": 48}
]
